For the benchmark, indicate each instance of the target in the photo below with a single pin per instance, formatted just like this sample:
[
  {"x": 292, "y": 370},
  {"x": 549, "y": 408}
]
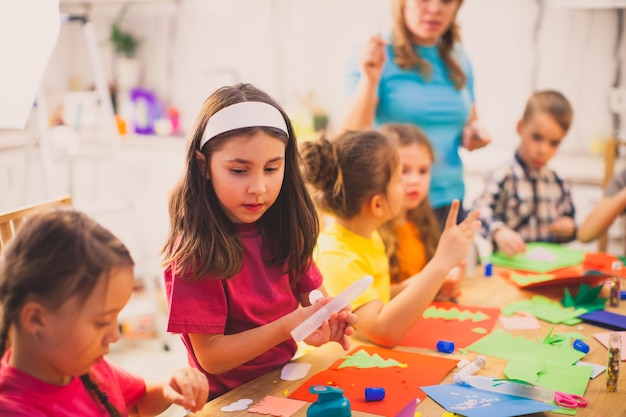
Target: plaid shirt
[{"x": 524, "y": 200}]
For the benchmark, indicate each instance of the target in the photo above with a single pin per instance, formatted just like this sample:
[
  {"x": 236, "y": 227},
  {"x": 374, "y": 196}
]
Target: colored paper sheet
[
  {"x": 504, "y": 345},
  {"x": 563, "y": 276},
  {"x": 362, "y": 359},
  {"x": 603, "y": 337},
  {"x": 571, "y": 379},
  {"x": 453, "y": 322},
  {"x": 597, "y": 369},
  {"x": 540, "y": 257},
  {"x": 524, "y": 367},
  {"x": 605, "y": 319},
  {"x": 545, "y": 309},
  {"x": 587, "y": 297},
  {"x": 519, "y": 320},
  {"x": 401, "y": 384},
  {"x": 277, "y": 406},
  {"x": 472, "y": 402}
]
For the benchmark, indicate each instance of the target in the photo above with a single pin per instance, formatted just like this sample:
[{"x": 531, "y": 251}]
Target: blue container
[
  {"x": 445, "y": 346},
  {"x": 488, "y": 270},
  {"x": 330, "y": 402},
  {"x": 581, "y": 346},
  {"x": 374, "y": 394}
]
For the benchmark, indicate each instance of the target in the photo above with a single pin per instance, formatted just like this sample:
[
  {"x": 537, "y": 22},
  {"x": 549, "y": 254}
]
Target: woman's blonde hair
[{"x": 407, "y": 58}]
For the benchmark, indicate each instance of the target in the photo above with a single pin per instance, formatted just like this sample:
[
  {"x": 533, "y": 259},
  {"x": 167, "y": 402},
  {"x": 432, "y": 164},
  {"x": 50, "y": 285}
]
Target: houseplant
[{"x": 125, "y": 45}]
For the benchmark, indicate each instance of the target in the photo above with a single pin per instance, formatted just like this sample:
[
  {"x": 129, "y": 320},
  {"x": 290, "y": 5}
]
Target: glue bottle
[{"x": 469, "y": 369}]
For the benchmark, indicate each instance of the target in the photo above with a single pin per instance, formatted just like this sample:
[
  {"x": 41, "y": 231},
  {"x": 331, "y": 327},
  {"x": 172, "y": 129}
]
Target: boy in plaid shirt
[{"x": 524, "y": 201}]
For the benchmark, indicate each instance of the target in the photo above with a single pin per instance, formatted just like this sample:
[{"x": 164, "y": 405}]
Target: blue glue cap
[
  {"x": 488, "y": 270},
  {"x": 374, "y": 394},
  {"x": 445, "y": 346},
  {"x": 622, "y": 295},
  {"x": 581, "y": 346}
]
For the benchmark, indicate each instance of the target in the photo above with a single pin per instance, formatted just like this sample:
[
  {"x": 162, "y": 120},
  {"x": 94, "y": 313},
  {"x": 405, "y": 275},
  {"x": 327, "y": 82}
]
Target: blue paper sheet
[{"x": 473, "y": 402}]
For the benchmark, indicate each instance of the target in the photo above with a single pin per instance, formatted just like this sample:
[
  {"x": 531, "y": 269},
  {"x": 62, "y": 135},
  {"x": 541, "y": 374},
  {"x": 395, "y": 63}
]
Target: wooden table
[{"x": 476, "y": 291}]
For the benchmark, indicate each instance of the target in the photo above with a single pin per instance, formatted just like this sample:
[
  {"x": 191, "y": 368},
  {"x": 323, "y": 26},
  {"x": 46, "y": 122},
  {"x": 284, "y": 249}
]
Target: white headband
[{"x": 244, "y": 114}]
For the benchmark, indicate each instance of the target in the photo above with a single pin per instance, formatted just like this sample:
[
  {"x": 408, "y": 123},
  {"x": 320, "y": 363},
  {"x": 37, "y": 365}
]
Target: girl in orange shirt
[{"x": 411, "y": 237}]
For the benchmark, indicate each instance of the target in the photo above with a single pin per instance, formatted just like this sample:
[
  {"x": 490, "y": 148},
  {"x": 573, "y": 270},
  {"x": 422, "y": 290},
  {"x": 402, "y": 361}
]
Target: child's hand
[
  {"x": 456, "y": 240},
  {"x": 563, "y": 227},
  {"x": 509, "y": 241},
  {"x": 449, "y": 290},
  {"x": 187, "y": 387},
  {"x": 336, "y": 329},
  {"x": 475, "y": 136}
]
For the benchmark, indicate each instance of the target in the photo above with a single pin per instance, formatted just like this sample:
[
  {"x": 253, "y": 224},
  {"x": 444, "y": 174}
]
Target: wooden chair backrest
[{"x": 10, "y": 221}]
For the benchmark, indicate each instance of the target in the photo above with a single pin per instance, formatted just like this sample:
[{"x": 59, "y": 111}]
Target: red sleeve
[
  {"x": 197, "y": 307},
  {"x": 310, "y": 280}
]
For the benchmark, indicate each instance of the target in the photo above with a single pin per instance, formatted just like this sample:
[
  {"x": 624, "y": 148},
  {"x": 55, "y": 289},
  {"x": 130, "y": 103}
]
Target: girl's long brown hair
[
  {"x": 56, "y": 255},
  {"x": 202, "y": 240},
  {"x": 407, "y": 58},
  {"x": 423, "y": 217}
]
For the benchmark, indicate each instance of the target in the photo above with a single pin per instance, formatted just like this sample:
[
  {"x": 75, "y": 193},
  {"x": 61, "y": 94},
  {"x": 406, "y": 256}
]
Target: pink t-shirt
[
  {"x": 258, "y": 295},
  {"x": 22, "y": 395}
]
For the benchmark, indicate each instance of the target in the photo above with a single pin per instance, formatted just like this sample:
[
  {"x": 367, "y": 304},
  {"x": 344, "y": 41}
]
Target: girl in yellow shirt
[{"x": 357, "y": 179}]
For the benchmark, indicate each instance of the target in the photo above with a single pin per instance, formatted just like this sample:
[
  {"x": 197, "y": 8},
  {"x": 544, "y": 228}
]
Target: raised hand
[
  {"x": 372, "y": 58},
  {"x": 456, "y": 240}
]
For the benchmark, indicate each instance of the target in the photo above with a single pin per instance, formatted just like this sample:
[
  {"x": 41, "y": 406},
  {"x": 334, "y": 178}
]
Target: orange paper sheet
[
  {"x": 428, "y": 331},
  {"x": 401, "y": 384}
]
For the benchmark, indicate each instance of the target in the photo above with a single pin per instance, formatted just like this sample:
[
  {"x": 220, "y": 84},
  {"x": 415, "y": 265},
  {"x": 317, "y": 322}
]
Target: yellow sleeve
[{"x": 342, "y": 269}]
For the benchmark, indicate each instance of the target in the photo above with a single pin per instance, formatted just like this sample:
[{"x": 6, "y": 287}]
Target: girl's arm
[
  {"x": 602, "y": 215},
  {"x": 387, "y": 324},
  {"x": 187, "y": 387},
  {"x": 365, "y": 99},
  {"x": 218, "y": 353}
]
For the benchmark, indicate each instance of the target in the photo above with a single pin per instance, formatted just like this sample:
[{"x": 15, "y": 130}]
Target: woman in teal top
[{"x": 421, "y": 75}]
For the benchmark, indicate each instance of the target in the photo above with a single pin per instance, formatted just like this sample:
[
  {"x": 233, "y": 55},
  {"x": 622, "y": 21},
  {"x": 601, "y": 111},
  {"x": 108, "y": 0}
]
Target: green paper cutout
[
  {"x": 587, "y": 298},
  {"x": 552, "y": 339},
  {"x": 479, "y": 330},
  {"x": 362, "y": 359},
  {"x": 462, "y": 351},
  {"x": 545, "y": 309},
  {"x": 504, "y": 345},
  {"x": 561, "y": 256},
  {"x": 568, "y": 379},
  {"x": 453, "y": 313},
  {"x": 525, "y": 368}
]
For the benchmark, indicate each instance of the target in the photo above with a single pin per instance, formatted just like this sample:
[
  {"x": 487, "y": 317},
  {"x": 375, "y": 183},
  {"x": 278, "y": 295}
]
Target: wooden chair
[{"x": 10, "y": 221}]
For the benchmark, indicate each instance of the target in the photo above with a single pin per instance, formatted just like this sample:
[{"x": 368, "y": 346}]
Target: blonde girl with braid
[{"x": 63, "y": 280}]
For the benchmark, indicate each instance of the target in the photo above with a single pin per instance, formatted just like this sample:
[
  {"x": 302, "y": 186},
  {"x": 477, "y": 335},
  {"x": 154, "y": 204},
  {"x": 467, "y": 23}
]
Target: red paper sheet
[
  {"x": 428, "y": 331},
  {"x": 401, "y": 384},
  {"x": 595, "y": 268}
]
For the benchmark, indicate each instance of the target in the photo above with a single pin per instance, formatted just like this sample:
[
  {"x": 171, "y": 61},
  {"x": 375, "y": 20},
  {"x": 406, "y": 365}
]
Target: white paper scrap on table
[
  {"x": 238, "y": 405},
  {"x": 294, "y": 371}
]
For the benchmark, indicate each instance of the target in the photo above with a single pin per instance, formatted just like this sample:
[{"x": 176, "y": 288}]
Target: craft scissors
[{"x": 569, "y": 400}]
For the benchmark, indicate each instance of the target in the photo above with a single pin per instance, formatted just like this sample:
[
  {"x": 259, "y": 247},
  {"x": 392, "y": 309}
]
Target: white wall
[
  {"x": 292, "y": 47},
  {"x": 287, "y": 47}
]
